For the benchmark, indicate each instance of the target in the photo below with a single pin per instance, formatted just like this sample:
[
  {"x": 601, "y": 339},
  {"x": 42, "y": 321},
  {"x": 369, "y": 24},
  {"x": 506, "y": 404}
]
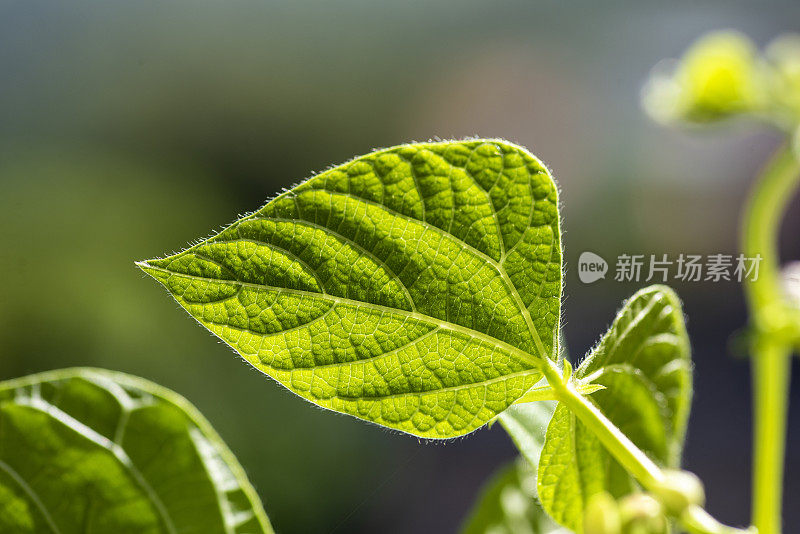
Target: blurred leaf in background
[{"x": 133, "y": 457}]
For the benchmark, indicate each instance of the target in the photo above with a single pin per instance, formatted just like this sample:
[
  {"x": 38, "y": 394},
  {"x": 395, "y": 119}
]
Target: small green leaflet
[
  {"x": 416, "y": 287},
  {"x": 87, "y": 450},
  {"x": 508, "y": 505},
  {"x": 644, "y": 362}
]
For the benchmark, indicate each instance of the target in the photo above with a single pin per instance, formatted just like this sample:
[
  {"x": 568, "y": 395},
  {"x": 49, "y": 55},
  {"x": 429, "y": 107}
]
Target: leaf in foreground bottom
[
  {"x": 87, "y": 450},
  {"x": 644, "y": 363},
  {"x": 508, "y": 505},
  {"x": 414, "y": 287},
  {"x": 526, "y": 424}
]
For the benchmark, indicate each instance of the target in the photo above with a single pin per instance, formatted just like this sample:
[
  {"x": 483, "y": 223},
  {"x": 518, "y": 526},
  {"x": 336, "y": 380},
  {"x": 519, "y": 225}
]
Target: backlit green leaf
[
  {"x": 87, "y": 450},
  {"x": 508, "y": 505},
  {"x": 644, "y": 363},
  {"x": 414, "y": 287}
]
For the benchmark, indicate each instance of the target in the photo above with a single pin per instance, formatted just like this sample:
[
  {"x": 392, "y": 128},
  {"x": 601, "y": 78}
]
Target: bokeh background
[{"x": 129, "y": 128}]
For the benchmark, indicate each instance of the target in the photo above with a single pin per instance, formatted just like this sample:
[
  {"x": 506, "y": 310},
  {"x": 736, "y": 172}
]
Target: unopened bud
[
  {"x": 642, "y": 514},
  {"x": 601, "y": 515},
  {"x": 718, "y": 77},
  {"x": 679, "y": 490}
]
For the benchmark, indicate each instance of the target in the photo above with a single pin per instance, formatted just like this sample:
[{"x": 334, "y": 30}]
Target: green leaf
[
  {"x": 649, "y": 336},
  {"x": 416, "y": 287},
  {"x": 644, "y": 363},
  {"x": 508, "y": 505},
  {"x": 88, "y": 450}
]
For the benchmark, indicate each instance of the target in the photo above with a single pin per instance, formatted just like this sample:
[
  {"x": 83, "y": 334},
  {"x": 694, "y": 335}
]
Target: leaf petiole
[{"x": 547, "y": 393}]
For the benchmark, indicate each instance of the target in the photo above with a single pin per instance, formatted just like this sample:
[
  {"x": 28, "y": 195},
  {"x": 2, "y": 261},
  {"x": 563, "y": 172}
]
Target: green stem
[
  {"x": 771, "y": 366},
  {"x": 760, "y": 226},
  {"x": 772, "y": 323},
  {"x": 697, "y": 521},
  {"x": 636, "y": 462},
  {"x": 618, "y": 444}
]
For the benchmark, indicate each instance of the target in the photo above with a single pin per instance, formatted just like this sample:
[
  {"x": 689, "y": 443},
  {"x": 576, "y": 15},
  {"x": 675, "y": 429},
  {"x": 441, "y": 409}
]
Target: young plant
[{"x": 419, "y": 288}]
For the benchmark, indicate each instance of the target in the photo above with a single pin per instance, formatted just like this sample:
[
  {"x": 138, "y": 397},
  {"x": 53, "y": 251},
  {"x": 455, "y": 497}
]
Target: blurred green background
[{"x": 129, "y": 128}]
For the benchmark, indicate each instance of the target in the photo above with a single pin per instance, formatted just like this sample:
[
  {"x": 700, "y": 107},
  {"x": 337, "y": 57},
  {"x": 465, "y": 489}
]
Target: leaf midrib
[
  {"x": 521, "y": 354},
  {"x": 446, "y": 389}
]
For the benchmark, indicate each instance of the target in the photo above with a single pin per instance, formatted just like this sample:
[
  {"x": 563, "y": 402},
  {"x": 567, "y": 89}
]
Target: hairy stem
[
  {"x": 633, "y": 459},
  {"x": 619, "y": 445},
  {"x": 772, "y": 318}
]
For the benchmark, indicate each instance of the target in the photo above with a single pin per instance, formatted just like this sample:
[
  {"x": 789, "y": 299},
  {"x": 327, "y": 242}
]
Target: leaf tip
[
  {"x": 149, "y": 269},
  {"x": 144, "y": 266},
  {"x": 665, "y": 290}
]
